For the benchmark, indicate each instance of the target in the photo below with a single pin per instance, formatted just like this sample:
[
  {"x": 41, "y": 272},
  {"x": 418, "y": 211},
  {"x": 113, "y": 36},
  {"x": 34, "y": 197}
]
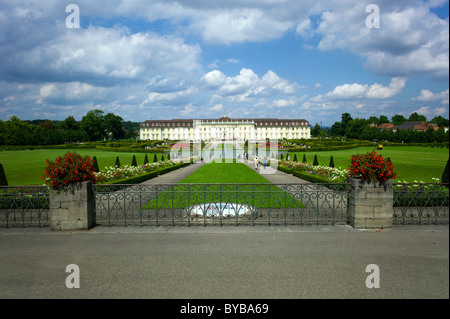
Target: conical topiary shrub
[
  {"x": 295, "y": 157},
  {"x": 117, "y": 162},
  {"x": 3, "y": 180},
  {"x": 133, "y": 161},
  {"x": 331, "y": 162},
  {"x": 155, "y": 158},
  {"x": 94, "y": 159},
  {"x": 445, "y": 174},
  {"x": 145, "y": 159},
  {"x": 316, "y": 162},
  {"x": 162, "y": 158},
  {"x": 304, "y": 158}
]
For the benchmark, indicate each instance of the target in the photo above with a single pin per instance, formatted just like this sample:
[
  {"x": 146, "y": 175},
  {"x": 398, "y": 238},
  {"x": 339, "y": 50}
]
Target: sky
[{"x": 198, "y": 59}]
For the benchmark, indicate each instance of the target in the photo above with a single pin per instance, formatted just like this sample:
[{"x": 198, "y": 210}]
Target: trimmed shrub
[
  {"x": 331, "y": 161},
  {"x": 133, "y": 161},
  {"x": 117, "y": 162},
  {"x": 95, "y": 164},
  {"x": 162, "y": 158},
  {"x": 3, "y": 180},
  {"x": 155, "y": 158},
  {"x": 316, "y": 162},
  {"x": 445, "y": 174},
  {"x": 304, "y": 158},
  {"x": 145, "y": 159},
  {"x": 295, "y": 157}
]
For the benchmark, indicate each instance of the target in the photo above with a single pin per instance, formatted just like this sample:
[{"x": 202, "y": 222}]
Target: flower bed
[
  {"x": 318, "y": 173},
  {"x": 112, "y": 175}
]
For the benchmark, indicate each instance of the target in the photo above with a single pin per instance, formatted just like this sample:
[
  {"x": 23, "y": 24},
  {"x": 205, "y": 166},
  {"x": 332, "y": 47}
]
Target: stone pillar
[
  {"x": 73, "y": 210},
  {"x": 371, "y": 204}
]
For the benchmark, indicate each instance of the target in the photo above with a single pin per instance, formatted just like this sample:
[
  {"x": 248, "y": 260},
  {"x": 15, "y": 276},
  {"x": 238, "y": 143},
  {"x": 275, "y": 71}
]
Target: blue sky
[{"x": 201, "y": 59}]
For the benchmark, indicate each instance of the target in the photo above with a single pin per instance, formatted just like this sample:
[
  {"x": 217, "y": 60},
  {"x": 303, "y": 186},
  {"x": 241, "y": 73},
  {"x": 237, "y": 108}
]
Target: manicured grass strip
[{"x": 224, "y": 182}]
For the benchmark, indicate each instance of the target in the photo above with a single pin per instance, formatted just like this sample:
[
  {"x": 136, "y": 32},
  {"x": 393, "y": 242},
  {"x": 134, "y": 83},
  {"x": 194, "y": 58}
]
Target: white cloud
[
  {"x": 374, "y": 91},
  {"x": 427, "y": 95}
]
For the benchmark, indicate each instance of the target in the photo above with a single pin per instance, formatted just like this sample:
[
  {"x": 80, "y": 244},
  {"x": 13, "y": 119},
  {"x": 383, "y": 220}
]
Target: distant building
[
  {"x": 385, "y": 126},
  {"x": 416, "y": 126},
  {"x": 225, "y": 128}
]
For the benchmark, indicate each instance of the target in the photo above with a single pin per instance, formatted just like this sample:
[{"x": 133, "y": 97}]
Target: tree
[
  {"x": 398, "y": 120},
  {"x": 440, "y": 121},
  {"x": 355, "y": 128},
  {"x": 316, "y": 130},
  {"x": 113, "y": 125},
  {"x": 383, "y": 119},
  {"x": 92, "y": 124},
  {"x": 417, "y": 117}
]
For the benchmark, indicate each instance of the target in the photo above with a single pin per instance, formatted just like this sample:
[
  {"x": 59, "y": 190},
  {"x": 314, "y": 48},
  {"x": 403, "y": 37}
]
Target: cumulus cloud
[
  {"x": 247, "y": 84},
  {"x": 427, "y": 95},
  {"x": 374, "y": 91}
]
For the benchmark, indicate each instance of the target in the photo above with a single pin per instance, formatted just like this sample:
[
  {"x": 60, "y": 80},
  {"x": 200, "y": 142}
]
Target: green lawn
[
  {"x": 27, "y": 167},
  {"x": 412, "y": 163},
  {"x": 229, "y": 184}
]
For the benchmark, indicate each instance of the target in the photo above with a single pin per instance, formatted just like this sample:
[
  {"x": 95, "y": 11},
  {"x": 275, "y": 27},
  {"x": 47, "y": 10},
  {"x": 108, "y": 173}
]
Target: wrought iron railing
[
  {"x": 421, "y": 203},
  {"x": 219, "y": 204},
  {"x": 24, "y": 206}
]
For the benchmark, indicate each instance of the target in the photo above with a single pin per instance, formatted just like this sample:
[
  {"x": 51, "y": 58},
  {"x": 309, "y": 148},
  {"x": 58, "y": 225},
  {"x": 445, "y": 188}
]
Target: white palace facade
[{"x": 225, "y": 129}]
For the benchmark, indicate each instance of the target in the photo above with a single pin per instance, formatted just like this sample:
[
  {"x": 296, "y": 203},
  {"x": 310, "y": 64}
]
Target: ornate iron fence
[
  {"x": 24, "y": 206},
  {"x": 421, "y": 203},
  {"x": 220, "y": 204}
]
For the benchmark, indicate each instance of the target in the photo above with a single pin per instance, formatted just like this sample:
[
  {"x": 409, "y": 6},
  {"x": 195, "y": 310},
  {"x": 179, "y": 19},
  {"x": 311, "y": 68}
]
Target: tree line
[
  {"x": 94, "y": 126},
  {"x": 365, "y": 129}
]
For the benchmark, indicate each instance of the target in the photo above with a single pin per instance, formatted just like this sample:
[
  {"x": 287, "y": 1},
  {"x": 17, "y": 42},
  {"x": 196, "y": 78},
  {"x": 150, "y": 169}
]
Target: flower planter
[{"x": 371, "y": 204}]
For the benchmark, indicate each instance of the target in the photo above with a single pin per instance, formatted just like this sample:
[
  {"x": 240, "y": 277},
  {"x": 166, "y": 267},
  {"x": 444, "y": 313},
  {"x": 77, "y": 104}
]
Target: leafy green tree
[
  {"x": 92, "y": 124},
  {"x": 113, "y": 125},
  {"x": 417, "y": 117},
  {"x": 440, "y": 121},
  {"x": 398, "y": 120}
]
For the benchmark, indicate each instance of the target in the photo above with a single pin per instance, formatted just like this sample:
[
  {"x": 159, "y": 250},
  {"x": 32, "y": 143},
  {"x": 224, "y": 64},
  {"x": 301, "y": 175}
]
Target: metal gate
[{"x": 221, "y": 204}]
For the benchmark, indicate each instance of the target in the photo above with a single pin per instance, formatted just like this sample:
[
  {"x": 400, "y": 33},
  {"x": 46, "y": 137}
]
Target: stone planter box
[
  {"x": 371, "y": 204},
  {"x": 73, "y": 210}
]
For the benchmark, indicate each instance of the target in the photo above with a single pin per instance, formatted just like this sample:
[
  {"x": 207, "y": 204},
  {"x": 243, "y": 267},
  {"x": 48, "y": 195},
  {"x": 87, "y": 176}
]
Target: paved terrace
[{"x": 216, "y": 262}]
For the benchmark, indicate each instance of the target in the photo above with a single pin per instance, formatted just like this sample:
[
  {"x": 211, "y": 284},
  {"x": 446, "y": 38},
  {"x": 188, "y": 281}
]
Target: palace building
[{"x": 225, "y": 129}]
